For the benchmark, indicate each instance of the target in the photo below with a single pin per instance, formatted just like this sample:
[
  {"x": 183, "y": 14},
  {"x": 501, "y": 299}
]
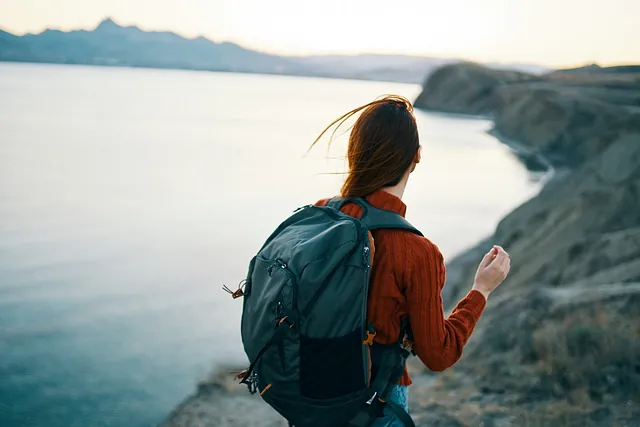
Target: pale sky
[{"x": 545, "y": 32}]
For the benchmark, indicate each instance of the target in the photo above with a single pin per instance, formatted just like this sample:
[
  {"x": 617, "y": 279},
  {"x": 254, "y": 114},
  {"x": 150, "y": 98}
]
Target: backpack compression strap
[
  {"x": 374, "y": 218},
  {"x": 391, "y": 359}
]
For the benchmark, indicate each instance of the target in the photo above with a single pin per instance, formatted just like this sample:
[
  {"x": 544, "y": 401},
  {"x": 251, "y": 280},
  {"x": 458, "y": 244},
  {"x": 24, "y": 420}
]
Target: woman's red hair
[{"x": 382, "y": 144}]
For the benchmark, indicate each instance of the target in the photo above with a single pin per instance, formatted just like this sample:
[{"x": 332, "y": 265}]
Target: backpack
[{"x": 304, "y": 320}]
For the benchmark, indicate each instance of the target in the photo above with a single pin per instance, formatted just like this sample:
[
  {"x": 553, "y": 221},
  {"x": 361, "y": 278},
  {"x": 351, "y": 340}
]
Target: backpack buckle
[
  {"x": 369, "y": 339},
  {"x": 371, "y": 334},
  {"x": 406, "y": 344},
  {"x": 370, "y": 401}
]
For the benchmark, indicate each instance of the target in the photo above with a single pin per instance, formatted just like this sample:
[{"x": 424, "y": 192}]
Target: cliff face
[
  {"x": 466, "y": 88},
  {"x": 563, "y": 329},
  {"x": 583, "y": 227},
  {"x": 572, "y": 229}
]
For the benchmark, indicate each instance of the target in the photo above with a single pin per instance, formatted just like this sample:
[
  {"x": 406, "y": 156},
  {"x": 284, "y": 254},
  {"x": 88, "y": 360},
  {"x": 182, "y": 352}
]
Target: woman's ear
[{"x": 418, "y": 156}]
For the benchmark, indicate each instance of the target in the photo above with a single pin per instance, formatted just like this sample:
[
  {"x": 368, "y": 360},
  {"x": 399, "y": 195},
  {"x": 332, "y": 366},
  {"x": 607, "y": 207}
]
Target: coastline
[
  {"x": 533, "y": 161},
  {"x": 203, "y": 70},
  {"x": 456, "y": 115}
]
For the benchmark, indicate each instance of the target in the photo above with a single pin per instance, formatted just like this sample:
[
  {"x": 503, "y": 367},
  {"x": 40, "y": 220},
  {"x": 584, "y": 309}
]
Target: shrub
[{"x": 589, "y": 352}]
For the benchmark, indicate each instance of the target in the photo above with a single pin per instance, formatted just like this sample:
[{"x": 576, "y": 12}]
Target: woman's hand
[{"x": 492, "y": 271}]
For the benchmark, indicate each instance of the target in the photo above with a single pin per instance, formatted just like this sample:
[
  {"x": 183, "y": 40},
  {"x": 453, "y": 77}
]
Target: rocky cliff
[
  {"x": 567, "y": 116},
  {"x": 563, "y": 331},
  {"x": 559, "y": 343}
]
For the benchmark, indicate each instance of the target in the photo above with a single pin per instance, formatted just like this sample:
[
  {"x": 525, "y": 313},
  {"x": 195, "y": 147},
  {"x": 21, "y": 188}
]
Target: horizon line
[{"x": 311, "y": 54}]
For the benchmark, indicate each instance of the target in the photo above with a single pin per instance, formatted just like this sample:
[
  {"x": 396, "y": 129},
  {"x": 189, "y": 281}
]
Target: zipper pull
[
  {"x": 301, "y": 208},
  {"x": 238, "y": 292}
]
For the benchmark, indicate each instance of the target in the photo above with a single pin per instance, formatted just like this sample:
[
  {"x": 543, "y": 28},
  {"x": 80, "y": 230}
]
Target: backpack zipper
[
  {"x": 279, "y": 315},
  {"x": 294, "y": 283},
  {"x": 366, "y": 354},
  {"x": 294, "y": 305}
]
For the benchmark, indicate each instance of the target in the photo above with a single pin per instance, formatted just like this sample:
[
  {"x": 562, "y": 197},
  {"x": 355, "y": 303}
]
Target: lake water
[{"x": 128, "y": 197}]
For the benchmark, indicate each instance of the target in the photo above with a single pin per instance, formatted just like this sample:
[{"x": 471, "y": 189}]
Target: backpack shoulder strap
[
  {"x": 374, "y": 218},
  {"x": 336, "y": 202}
]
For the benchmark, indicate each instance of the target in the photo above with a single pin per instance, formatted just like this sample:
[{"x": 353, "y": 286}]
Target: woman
[{"x": 408, "y": 271}]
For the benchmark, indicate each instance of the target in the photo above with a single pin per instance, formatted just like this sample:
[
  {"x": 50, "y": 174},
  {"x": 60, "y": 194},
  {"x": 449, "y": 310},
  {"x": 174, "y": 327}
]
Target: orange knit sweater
[{"x": 407, "y": 277}]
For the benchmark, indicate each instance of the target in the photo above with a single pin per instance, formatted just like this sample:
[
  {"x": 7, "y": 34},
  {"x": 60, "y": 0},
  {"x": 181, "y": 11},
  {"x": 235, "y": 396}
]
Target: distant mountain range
[{"x": 110, "y": 44}]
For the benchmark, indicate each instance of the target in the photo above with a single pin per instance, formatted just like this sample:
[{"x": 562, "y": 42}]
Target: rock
[
  {"x": 442, "y": 90},
  {"x": 223, "y": 405}
]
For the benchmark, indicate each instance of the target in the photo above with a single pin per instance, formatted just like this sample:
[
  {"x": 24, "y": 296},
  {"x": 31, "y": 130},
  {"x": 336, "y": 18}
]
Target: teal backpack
[{"x": 304, "y": 320}]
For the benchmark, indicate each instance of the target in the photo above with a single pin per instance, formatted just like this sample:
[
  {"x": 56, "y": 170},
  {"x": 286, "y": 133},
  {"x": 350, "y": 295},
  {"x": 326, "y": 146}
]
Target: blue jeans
[{"x": 400, "y": 395}]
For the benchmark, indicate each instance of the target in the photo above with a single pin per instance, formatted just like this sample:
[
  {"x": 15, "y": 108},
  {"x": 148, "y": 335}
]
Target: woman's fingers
[
  {"x": 486, "y": 260},
  {"x": 501, "y": 256}
]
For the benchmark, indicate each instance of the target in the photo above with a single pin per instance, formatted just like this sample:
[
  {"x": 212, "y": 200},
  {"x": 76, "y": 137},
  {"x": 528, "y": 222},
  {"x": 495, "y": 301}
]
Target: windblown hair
[{"x": 382, "y": 144}]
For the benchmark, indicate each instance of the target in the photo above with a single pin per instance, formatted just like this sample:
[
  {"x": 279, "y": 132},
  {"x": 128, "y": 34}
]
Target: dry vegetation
[{"x": 592, "y": 356}]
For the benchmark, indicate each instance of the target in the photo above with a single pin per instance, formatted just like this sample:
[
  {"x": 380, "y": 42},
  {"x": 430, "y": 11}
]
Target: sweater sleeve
[{"x": 439, "y": 340}]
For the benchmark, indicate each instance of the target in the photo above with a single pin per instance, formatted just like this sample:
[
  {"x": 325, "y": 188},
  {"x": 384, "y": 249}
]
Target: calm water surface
[{"x": 128, "y": 197}]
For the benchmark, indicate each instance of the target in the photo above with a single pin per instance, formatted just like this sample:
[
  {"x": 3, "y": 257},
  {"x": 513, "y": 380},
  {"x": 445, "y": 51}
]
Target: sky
[{"x": 545, "y": 32}]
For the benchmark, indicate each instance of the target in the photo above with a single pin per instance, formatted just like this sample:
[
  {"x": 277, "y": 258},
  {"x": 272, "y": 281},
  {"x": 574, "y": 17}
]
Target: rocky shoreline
[{"x": 559, "y": 343}]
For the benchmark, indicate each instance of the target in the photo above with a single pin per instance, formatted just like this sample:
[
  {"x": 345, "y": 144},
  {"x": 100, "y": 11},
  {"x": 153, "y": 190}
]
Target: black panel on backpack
[{"x": 331, "y": 367}]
